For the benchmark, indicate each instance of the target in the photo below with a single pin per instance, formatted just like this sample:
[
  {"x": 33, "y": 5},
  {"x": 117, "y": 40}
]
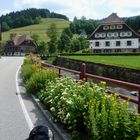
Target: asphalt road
[{"x": 13, "y": 125}]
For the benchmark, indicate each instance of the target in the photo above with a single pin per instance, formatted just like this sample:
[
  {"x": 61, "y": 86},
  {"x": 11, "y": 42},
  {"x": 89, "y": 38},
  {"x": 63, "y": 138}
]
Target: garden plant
[{"x": 84, "y": 108}]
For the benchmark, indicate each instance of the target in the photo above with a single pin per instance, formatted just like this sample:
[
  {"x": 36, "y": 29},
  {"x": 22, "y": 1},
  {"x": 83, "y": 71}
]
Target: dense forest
[
  {"x": 83, "y": 26},
  {"x": 133, "y": 22},
  {"x": 26, "y": 17}
]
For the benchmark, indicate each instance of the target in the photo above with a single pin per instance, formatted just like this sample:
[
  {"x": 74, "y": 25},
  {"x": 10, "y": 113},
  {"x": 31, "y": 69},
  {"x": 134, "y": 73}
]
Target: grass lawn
[
  {"x": 124, "y": 61},
  {"x": 39, "y": 29}
]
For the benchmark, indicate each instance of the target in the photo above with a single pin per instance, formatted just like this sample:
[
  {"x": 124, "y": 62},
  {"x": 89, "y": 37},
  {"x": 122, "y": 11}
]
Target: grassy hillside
[{"x": 39, "y": 29}]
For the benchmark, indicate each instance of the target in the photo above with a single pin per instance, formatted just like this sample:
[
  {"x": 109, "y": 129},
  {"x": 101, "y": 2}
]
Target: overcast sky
[{"x": 95, "y": 9}]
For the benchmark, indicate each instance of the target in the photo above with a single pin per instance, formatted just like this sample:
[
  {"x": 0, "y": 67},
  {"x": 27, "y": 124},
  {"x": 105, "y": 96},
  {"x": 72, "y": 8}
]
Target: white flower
[
  {"x": 84, "y": 113},
  {"x": 68, "y": 115},
  {"x": 61, "y": 112},
  {"x": 85, "y": 106},
  {"x": 52, "y": 109},
  {"x": 62, "y": 98},
  {"x": 55, "y": 120},
  {"x": 74, "y": 95},
  {"x": 51, "y": 101},
  {"x": 56, "y": 97},
  {"x": 69, "y": 102},
  {"x": 64, "y": 93},
  {"x": 65, "y": 120},
  {"x": 52, "y": 90}
]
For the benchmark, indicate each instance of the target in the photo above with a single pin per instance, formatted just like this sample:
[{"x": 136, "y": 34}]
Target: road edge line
[{"x": 26, "y": 115}]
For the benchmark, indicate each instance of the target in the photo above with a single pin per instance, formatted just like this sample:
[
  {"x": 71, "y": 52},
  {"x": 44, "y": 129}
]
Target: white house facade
[{"x": 114, "y": 35}]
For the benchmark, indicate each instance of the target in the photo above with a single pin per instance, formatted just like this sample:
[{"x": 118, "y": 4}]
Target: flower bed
[{"x": 85, "y": 108}]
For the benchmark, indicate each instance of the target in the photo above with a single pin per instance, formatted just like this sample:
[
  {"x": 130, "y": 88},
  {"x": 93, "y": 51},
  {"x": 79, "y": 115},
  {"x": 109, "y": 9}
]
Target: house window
[
  {"x": 115, "y": 34},
  {"x": 96, "y": 44},
  {"x": 118, "y": 43},
  {"x": 129, "y": 43},
  {"x": 107, "y": 43},
  {"x": 100, "y": 35},
  {"x": 122, "y": 34},
  {"x": 112, "y": 27},
  {"x": 106, "y": 27},
  {"x": 129, "y": 33},
  {"x": 97, "y": 35},
  {"x": 103, "y": 35},
  {"x": 109, "y": 34},
  {"x": 119, "y": 26}
]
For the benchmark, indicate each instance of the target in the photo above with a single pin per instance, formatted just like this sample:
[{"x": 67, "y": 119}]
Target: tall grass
[
  {"x": 27, "y": 69},
  {"x": 38, "y": 79}
]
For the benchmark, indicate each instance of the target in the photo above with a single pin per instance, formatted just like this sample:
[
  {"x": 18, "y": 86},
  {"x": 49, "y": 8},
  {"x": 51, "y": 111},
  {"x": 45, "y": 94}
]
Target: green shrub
[
  {"x": 27, "y": 60},
  {"x": 50, "y": 60},
  {"x": 68, "y": 101},
  {"x": 110, "y": 119},
  {"x": 27, "y": 71},
  {"x": 85, "y": 105},
  {"x": 38, "y": 79}
]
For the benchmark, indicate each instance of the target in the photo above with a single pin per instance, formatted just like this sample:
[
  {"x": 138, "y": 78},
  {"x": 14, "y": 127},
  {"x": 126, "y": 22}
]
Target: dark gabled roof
[
  {"x": 19, "y": 39},
  {"x": 113, "y": 18}
]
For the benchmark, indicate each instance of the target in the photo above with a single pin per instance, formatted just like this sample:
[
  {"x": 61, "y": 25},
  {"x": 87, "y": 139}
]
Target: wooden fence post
[
  {"x": 139, "y": 101},
  {"x": 83, "y": 72}
]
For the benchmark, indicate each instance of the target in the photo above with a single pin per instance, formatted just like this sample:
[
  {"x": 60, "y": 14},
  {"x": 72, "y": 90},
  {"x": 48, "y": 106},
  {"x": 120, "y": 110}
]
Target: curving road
[{"x": 13, "y": 125}]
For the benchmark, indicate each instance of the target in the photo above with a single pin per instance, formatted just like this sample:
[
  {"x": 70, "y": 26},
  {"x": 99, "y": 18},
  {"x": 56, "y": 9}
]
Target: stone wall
[{"x": 120, "y": 73}]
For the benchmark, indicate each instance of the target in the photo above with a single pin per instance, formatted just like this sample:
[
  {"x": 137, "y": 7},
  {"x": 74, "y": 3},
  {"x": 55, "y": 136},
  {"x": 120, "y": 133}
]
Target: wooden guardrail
[{"x": 85, "y": 76}]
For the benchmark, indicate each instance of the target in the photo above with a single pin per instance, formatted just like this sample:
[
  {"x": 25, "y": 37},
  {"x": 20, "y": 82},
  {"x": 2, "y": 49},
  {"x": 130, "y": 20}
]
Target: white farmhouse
[{"x": 114, "y": 35}]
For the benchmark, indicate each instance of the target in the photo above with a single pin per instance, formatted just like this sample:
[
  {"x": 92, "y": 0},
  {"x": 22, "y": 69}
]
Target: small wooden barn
[{"x": 20, "y": 44}]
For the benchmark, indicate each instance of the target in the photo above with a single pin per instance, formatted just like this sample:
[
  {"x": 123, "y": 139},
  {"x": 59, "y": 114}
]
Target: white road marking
[{"x": 27, "y": 117}]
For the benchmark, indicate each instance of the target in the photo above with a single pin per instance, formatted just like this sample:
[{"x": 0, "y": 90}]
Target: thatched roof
[{"x": 19, "y": 39}]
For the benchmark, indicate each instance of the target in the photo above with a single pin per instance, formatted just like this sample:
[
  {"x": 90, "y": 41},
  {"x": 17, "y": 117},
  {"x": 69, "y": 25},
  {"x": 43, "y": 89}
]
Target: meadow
[
  {"x": 123, "y": 61},
  {"x": 39, "y": 29}
]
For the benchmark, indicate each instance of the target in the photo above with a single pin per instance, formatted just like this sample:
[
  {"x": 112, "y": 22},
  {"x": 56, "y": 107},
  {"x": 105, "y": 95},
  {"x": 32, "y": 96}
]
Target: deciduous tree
[
  {"x": 64, "y": 41},
  {"x": 35, "y": 37},
  {"x": 42, "y": 48},
  {"x": 52, "y": 34}
]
